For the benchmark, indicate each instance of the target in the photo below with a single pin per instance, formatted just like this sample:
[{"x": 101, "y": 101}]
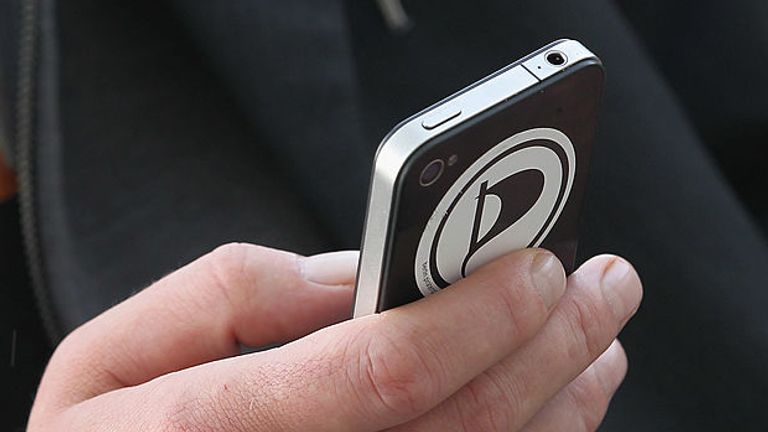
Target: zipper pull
[{"x": 394, "y": 15}]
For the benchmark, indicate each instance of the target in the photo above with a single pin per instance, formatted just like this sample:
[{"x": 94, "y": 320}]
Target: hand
[{"x": 508, "y": 348}]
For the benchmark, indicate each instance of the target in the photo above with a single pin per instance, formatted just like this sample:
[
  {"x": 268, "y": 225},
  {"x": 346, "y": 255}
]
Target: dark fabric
[
  {"x": 10, "y": 25},
  {"x": 261, "y": 126},
  {"x": 289, "y": 65},
  {"x": 24, "y": 347},
  {"x": 143, "y": 164},
  {"x": 716, "y": 58}
]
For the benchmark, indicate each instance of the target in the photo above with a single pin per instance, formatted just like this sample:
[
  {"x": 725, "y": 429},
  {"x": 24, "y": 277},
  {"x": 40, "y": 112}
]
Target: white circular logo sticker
[{"x": 508, "y": 199}]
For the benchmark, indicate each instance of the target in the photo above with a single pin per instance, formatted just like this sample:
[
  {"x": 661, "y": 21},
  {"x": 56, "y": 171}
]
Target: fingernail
[
  {"x": 332, "y": 268},
  {"x": 611, "y": 367},
  {"x": 617, "y": 289},
  {"x": 548, "y": 277}
]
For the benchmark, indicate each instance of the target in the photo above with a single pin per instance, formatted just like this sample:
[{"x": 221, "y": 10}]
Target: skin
[{"x": 515, "y": 346}]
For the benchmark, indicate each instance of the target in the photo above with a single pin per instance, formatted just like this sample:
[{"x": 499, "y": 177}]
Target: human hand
[{"x": 508, "y": 348}]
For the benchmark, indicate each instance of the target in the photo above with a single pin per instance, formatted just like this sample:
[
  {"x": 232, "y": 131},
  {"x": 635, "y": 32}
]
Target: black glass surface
[{"x": 567, "y": 102}]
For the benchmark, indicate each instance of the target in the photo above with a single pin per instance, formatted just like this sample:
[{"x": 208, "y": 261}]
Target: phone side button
[{"x": 432, "y": 121}]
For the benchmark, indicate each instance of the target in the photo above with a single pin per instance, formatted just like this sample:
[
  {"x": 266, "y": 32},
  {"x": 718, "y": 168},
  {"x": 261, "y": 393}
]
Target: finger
[
  {"x": 237, "y": 294},
  {"x": 380, "y": 370},
  {"x": 581, "y": 406},
  {"x": 601, "y": 296}
]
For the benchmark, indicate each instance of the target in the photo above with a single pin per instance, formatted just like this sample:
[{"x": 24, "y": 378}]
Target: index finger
[
  {"x": 237, "y": 294},
  {"x": 382, "y": 370}
]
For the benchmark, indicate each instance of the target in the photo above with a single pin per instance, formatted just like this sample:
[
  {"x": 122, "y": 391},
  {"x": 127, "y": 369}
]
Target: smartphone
[{"x": 499, "y": 166}]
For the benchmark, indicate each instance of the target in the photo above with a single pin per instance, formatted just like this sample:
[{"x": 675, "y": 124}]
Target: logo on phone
[{"x": 508, "y": 199}]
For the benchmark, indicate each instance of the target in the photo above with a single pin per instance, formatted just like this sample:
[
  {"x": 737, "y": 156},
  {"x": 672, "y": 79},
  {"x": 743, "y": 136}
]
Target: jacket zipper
[{"x": 25, "y": 162}]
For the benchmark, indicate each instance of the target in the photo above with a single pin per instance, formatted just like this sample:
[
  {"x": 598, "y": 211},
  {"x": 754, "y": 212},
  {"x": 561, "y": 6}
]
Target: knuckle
[
  {"x": 227, "y": 260},
  {"x": 592, "y": 327},
  {"x": 523, "y": 313},
  {"x": 485, "y": 405},
  {"x": 226, "y": 265},
  {"x": 512, "y": 297},
  {"x": 394, "y": 375}
]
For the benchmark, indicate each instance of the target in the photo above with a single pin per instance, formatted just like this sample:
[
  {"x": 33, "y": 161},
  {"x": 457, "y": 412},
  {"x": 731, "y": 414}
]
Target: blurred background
[{"x": 135, "y": 136}]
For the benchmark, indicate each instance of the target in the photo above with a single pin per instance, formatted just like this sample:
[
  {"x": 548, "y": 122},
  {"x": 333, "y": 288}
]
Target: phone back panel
[
  {"x": 499, "y": 166},
  {"x": 512, "y": 177}
]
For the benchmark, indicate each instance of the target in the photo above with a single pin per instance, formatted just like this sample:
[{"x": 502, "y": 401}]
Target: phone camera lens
[
  {"x": 556, "y": 58},
  {"x": 431, "y": 172}
]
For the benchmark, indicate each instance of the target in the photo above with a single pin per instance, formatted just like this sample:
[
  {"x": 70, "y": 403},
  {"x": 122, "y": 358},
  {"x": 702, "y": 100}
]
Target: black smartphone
[{"x": 499, "y": 166}]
